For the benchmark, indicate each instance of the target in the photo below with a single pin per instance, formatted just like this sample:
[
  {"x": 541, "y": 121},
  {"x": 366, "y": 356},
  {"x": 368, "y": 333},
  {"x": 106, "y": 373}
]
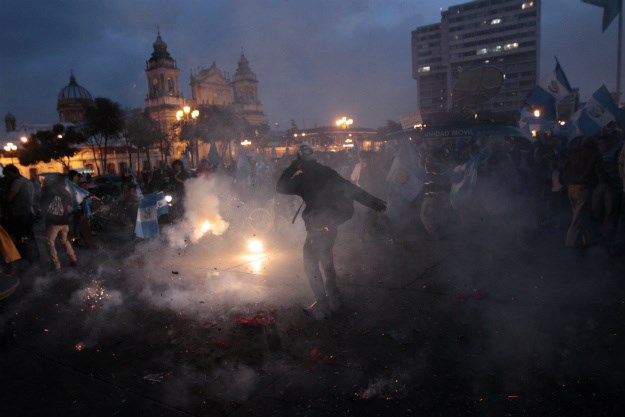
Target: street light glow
[
  {"x": 10, "y": 146},
  {"x": 344, "y": 122},
  {"x": 24, "y": 139}
]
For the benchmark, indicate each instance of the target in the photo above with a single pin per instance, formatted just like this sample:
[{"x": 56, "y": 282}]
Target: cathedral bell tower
[
  {"x": 245, "y": 85},
  {"x": 164, "y": 98}
]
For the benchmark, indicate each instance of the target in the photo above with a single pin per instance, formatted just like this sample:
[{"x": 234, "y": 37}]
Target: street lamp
[
  {"x": 184, "y": 117},
  {"x": 10, "y": 147},
  {"x": 344, "y": 122}
]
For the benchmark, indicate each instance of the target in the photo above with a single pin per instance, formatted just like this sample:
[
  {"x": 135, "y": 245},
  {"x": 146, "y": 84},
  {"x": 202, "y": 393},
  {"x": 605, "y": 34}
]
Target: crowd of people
[{"x": 575, "y": 185}]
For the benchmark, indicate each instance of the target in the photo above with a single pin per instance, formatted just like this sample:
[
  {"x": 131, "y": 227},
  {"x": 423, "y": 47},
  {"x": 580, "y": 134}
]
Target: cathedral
[{"x": 209, "y": 86}]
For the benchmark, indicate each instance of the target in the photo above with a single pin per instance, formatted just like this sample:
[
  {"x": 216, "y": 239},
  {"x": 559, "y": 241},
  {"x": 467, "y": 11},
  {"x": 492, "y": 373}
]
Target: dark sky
[{"x": 315, "y": 60}]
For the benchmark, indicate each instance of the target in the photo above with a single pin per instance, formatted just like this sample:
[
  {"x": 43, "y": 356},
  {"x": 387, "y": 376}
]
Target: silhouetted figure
[{"x": 329, "y": 200}]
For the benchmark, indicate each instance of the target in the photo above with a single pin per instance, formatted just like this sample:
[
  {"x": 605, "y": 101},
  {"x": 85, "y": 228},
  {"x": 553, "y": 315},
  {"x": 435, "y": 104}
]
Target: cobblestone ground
[{"x": 492, "y": 322}]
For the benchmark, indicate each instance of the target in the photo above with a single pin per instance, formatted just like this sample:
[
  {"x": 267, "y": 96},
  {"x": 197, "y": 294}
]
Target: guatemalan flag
[
  {"x": 598, "y": 111},
  {"x": 150, "y": 207},
  {"x": 77, "y": 192},
  {"x": 549, "y": 92},
  {"x": 466, "y": 178},
  {"x": 404, "y": 180}
]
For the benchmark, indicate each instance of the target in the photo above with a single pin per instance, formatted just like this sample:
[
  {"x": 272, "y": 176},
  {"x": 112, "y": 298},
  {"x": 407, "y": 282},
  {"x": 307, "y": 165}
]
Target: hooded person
[{"x": 329, "y": 200}]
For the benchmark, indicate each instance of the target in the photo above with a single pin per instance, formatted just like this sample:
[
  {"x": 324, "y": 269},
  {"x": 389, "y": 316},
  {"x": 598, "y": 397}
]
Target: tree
[
  {"x": 141, "y": 131},
  {"x": 103, "y": 121},
  {"x": 221, "y": 124},
  {"x": 57, "y": 145}
]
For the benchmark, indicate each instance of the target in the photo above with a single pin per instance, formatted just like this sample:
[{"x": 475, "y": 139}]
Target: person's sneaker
[{"x": 317, "y": 310}]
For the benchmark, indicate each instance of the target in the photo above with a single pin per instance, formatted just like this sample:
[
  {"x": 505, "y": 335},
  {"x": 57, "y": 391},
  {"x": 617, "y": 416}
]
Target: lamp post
[
  {"x": 10, "y": 148},
  {"x": 187, "y": 116},
  {"x": 344, "y": 123}
]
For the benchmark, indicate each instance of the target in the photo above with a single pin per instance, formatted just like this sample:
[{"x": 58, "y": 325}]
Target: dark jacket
[
  {"x": 56, "y": 202},
  {"x": 583, "y": 166},
  {"x": 329, "y": 197}
]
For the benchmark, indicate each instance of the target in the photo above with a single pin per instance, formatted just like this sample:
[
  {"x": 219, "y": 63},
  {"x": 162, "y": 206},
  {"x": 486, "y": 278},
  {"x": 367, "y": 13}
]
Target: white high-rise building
[{"x": 500, "y": 33}]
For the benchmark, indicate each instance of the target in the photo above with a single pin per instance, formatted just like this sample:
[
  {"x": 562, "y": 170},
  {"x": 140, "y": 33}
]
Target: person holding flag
[
  {"x": 549, "y": 92},
  {"x": 81, "y": 229}
]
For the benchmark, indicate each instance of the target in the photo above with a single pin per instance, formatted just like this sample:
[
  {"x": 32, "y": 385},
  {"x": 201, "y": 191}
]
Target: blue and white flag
[
  {"x": 598, "y": 111},
  {"x": 404, "y": 181},
  {"x": 213, "y": 157},
  {"x": 611, "y": 9},
  {"x": 186, "y": 160},
  {"x": 549, "y": 92},
  {"x": 150, "y": 207},
  {"x": 77, "y": 192},
  {"x": 466, "y": 178},
  {"x": 528, "y": 123}
]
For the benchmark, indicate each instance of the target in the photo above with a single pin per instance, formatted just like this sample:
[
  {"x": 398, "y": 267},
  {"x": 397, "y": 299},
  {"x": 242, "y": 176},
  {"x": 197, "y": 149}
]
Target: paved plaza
[{"x": 490, "y": 322}]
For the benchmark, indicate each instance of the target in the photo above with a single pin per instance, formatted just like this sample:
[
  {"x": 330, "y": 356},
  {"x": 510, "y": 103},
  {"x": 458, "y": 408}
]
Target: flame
[{"x": 255, "y": 245}]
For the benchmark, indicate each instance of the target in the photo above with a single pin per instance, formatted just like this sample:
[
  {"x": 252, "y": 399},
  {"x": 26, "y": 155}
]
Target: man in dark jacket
[
  {"x": 582, "y": 172},
  {"x": 329, "y": 200}
]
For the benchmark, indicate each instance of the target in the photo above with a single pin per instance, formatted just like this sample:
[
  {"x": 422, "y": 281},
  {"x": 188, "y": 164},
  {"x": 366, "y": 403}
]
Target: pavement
[{"x": 493, "y": 321}]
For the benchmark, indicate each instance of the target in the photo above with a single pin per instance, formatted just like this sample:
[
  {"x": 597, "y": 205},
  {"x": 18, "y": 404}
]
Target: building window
[
  {"x": 482, "y": 51},
  {"x": 510, "y": 46},
  {"x": 495, "y": 21},
  {"x": 527, "y": 5},
  {"x": 424, "y": 69}
]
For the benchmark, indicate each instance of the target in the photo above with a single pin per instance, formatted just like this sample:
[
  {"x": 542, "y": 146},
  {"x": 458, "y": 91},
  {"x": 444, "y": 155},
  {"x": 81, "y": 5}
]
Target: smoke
[{"x": 202, "y": 213}]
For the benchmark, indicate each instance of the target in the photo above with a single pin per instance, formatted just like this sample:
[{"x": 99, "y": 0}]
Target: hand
[{"x": 378, "y": 205}]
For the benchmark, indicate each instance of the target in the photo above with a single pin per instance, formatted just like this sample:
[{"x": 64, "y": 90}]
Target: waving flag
[
  {"x": 150, "y": 207},
  {"x": 600, "y": 110},
  {"x": 611, "y": 9},
  {"x": 528, "y": 123},
  {"x": 549, "y": 92},
  {"x": 404, "y": 181},
  {"x": 77, "y": 192},
  {"x": 462, "y": 189}
]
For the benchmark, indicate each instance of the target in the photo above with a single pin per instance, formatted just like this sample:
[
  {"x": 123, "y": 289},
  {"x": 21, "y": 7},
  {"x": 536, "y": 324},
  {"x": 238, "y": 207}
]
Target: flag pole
[{"x": 618, "y": 56}]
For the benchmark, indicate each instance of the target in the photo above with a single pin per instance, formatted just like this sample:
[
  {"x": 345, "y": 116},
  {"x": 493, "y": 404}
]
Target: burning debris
[{"x": 260, "y": 319}]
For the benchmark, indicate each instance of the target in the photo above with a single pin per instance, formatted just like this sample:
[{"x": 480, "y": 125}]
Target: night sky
[{"x": 315, "y": 60}]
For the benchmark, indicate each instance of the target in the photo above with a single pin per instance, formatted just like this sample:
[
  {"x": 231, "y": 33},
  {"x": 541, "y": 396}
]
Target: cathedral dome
[
  {"x": 71, "y": 102},
  {"x": 74, "y": 91}
]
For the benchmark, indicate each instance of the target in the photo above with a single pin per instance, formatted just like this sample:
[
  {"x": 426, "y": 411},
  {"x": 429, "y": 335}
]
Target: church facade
[{"x": 209, "y": 86}]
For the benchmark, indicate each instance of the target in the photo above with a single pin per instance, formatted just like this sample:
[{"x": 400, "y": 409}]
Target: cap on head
[{"x": 305, "y": 152}]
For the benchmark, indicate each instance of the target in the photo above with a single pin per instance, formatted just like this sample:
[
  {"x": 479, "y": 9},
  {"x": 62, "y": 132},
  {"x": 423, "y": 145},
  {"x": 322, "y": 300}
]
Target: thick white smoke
[{"x": 202, "y": 215}]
